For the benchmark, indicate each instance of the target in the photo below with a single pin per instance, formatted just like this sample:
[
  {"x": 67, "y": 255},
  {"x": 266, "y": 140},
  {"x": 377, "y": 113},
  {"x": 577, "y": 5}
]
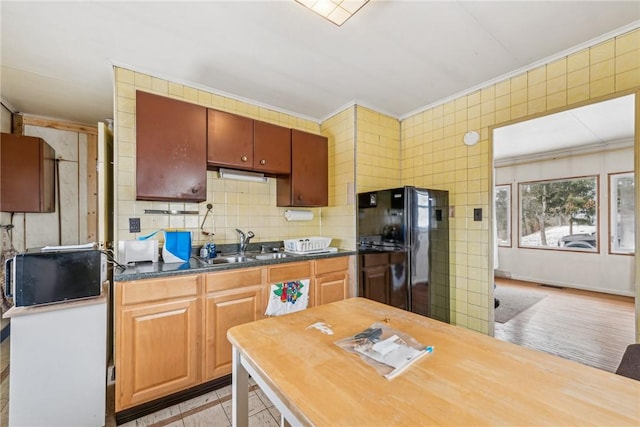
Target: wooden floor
[{"x": 587, "y": 327}]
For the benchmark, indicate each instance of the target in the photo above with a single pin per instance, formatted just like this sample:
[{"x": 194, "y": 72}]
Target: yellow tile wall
[
  {"x": 424, "y": 150},
  {"x": 338, "y": 220},
  {"x": 378, "y": 150},
  {"x": 434, "y": 156},
  {"x": 236, "y": 204}
]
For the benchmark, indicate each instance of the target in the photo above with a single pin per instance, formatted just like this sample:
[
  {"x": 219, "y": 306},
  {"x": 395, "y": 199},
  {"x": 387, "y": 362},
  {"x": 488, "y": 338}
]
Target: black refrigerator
[{"x": 403, "y": 249}]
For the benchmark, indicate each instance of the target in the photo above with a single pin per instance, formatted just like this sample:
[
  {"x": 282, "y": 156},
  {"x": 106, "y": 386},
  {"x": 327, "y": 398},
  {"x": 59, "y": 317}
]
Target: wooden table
[{"x": 470, "y": 379}]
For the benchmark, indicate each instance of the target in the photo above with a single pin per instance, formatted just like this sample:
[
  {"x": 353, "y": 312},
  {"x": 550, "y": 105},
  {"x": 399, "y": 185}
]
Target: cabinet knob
[
  {"x": 244, "y": 158},
  {"x": 263, "y": 162},
  {"x": 194, "y": 190}
]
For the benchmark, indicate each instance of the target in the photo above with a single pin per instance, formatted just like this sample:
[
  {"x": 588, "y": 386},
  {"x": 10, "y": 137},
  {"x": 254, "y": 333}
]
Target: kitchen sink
[
  {"x": 238, "y": 258},
  {"x": 225, "y": 260},
  {"x": 249, "y": 257},
  {"x": 275, "y": 255}
]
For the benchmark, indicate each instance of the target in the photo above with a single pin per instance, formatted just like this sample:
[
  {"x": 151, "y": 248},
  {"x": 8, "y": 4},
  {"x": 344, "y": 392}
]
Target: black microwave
[{"x": 44, "y": 277}]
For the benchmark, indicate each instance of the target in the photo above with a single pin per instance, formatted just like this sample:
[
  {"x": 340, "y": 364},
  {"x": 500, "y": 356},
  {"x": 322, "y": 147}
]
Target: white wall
[
  {"x": 5, "y": 119},
  {"x": 5, "y": 126},
  {"x": 601, "y": 271}
]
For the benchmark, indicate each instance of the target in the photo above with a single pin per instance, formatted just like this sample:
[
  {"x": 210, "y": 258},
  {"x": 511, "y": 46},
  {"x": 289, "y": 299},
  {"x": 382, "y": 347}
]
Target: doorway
[{"x": 559, "y": 211}]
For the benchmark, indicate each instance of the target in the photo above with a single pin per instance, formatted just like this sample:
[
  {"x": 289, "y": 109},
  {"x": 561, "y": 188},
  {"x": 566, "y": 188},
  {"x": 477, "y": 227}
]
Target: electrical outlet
[
  {"x": 477, "y": 214},
  {"x": 134, "y": 225}
]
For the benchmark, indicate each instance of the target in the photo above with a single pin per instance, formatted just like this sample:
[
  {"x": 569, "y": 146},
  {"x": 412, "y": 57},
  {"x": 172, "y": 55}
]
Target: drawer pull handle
[
  {"x": 263, "y": 162},
  {"x": 244, "y": 158}
]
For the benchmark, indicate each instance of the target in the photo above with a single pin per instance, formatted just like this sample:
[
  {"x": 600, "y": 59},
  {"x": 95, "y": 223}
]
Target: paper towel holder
[{"x": 298, "y": 215}]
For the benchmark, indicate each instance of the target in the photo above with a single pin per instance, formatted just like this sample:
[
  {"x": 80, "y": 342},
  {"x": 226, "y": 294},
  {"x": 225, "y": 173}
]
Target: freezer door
[
  {"x": 439, "y": 256},
  {"x": 418, "y": 215}
]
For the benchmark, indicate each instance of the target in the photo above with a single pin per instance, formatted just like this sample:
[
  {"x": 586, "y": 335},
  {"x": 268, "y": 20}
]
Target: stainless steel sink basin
[
  {"x": 275, "y": 255},
  {"x": 238, "y": 258},
  {"x": 225, "y": 260}
]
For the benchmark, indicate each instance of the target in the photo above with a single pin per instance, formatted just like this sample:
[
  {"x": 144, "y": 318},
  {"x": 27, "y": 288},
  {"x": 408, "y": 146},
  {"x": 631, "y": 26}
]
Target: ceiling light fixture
[
  {"x": 241, "y": 175},
  {"x": 336, "y": 11}
]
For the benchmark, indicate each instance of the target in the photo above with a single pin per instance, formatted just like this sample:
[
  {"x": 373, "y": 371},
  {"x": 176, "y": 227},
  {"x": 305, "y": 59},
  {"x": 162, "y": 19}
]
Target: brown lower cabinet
[
  {"x": 374, "y": 277},
  {"x": 383, "y": 278},
  {"x": 171, "y": 332}
]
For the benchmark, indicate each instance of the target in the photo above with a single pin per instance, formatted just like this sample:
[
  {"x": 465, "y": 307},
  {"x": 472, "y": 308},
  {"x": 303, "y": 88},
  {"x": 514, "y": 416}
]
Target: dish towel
[{"x": 288, "y": 297}]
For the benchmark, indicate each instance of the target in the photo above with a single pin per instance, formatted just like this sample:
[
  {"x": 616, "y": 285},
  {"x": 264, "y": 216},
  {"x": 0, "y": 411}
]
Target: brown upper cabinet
[
  {"x": 271, "y": 148},
  {"x": 27, "y": 173},
  {"x": 229, "y": 140},
  {"x": 243, "y": 143},
  {"x": 308, "y": 184},
  {"x": 171, "y": 149}
]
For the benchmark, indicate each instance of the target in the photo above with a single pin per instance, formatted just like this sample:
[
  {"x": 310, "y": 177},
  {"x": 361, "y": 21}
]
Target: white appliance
[
  {"x": 137, "y": 251},
  {"x": 59, "y": 364}
]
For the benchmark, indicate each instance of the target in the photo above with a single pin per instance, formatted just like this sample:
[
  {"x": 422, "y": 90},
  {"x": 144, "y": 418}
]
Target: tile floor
[{"x": 210, "y": 409}]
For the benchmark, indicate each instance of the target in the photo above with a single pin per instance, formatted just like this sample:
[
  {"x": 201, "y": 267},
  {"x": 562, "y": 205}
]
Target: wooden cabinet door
[
  {"x": 159, "y": 351},
  {"x": 374, "y": 276},
  {"x": 171, "y": 149},
  {"x": 290, "y": 272},
  {"x": 223, "y": 311},
  {"x": 375, "y": 283},
  {"x": 27, "y": 167},
  {"x": 398, "y": 276},
  {"x": 271, "y": 148},
  {"x": 308, "y": 184},
  {"x": 331, "y": 288},
  {"x": 229, "y": 140}
]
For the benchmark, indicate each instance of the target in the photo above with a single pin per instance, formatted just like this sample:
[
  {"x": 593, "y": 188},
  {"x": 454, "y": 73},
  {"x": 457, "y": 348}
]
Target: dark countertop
[{"x": 149, "y": 270}]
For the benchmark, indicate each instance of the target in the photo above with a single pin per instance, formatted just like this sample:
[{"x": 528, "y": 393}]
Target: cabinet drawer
[
  {"x": 293, "y": 271},
  {"x": 156, "y": 289},
  {"x": 370, "y": 260},
  {"x": 330, "y": 265},
  {"x": 233, "y": 279},
  {"x": 397, "y": 258}
]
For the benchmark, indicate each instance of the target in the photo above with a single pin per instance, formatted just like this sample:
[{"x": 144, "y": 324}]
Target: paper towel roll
[{"x": 291, "y": 215}]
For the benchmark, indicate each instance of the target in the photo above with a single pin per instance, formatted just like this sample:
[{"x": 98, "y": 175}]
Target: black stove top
[{"x": 381, "y": 246}]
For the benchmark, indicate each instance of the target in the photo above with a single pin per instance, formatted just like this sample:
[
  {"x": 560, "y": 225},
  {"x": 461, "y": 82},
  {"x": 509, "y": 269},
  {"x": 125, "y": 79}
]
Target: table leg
[{"x": 240, "y": 389}]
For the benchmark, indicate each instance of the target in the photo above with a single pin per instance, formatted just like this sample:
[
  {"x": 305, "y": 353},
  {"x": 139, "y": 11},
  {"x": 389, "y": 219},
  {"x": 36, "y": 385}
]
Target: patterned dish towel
[{"x": 288, "y": 297}]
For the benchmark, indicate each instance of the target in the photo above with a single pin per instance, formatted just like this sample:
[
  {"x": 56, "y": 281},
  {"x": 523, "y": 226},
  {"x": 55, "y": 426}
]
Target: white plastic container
[{"x": 307, "y": 244}]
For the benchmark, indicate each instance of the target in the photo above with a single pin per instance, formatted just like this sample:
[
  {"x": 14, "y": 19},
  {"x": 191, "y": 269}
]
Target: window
[
  {"x": 559, "y": 214},
  {"x": 622, "y": 213},
  {"x": 503, "y": 215}
]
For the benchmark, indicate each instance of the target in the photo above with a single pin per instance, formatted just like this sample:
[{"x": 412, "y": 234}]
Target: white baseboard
[{"x": 567, "y": 285}]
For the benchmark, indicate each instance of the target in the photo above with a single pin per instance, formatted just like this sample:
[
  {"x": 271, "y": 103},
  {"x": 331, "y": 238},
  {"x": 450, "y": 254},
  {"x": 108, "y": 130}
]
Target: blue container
[{"x": 211, "y": 249}]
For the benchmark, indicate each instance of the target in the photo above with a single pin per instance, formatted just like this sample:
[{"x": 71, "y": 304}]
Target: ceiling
[
  {"x": 394, "y": 56},
  {"x": 599, "y": 124}
]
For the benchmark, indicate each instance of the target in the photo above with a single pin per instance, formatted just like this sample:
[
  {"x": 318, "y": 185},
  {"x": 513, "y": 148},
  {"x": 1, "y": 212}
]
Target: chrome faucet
[{"x": 244, "y": 239}]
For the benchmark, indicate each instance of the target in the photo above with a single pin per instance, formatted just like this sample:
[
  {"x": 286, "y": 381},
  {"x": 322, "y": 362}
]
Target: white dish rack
[{"x": 307, "y": 245}]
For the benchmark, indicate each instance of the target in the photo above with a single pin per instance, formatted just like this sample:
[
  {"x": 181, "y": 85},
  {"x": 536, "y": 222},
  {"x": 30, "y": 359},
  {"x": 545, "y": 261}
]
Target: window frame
[
  {"x": 509, "y": 215},
  {"x": 613, "y": 197},
  {"x": 598, "y": 208}
]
